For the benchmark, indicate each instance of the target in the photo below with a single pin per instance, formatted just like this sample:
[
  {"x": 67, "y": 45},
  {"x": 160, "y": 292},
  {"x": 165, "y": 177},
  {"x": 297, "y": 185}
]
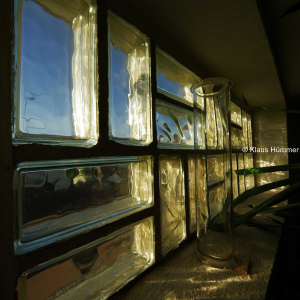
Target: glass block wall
[{"x": 107, "y": 165}]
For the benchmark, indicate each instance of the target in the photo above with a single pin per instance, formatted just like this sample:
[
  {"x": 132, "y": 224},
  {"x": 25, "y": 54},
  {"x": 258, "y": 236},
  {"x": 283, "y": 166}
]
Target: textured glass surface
[
  {"x": 201, "y": 192},
  {"x": 215, "y": 169},
  {"x": 192, "y": 192},
  {"x": 199, "y": 131},
  {"x": 56, "y": 86},
  {"x": 241, "y": 177},
  {"x": 94, "y": 271},
  {"x": 237, "y": 139},
  {"x": 244, "y": 129},
  {"x": 175, "y": 126},
  {"x": 63, "y": 198},
  {"x": 248, "y": 162},
  {"x": 211, "y": 127},
  {"x": 173, "y": 79},
  {"x": 200, "y": 103},
  {"x": 235, "y": 114},
  {"x": 220, "y": 142},
  {"x": 216, "y": 200},
  {"x": 130, "y": 119},
  {"x": 172, "y": 203},
  {"x": 249, "y": 131},
  {"x": 235, "y": 188}
]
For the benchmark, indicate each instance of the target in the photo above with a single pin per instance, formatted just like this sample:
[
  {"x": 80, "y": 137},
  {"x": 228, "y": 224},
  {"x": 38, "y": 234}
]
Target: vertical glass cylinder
[{"x": 214, "y": 228}]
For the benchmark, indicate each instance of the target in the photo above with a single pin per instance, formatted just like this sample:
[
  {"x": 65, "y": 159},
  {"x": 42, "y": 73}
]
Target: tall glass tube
[{"x": 214, "y": 213}]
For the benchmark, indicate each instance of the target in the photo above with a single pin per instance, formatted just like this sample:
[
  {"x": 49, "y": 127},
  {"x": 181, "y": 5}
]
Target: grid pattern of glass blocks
[
  {"x": 235, "y": 114},
  {"x": 250, "y": 144},
  {"x": 175, "y": 126},
  {"x": 173, "y": 79},
  {"x": 249, "y": 179},
  {"x": 235, "y": 188},
  {"x": 130, "y": 119},
  {"x": 94, "y": 271},
  {"x": 200, "y": 131},
  {"x": 244, "y": 129},
  {"x": 215, "y": 169},
  {"x": 172, "y": 202},
  {"x": 192, "y": 192},
  {"x": 211, "y": 127},
  {"x": 216, "y": 200},
  {"x": 201, "y": 191},
  {"x": 241, "y": 177},
  {"x": 62, "y": 198},
  {"x": 55, "y": 91}
]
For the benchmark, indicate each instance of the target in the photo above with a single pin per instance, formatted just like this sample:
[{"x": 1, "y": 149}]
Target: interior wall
[{"x": 269, "y": 138}]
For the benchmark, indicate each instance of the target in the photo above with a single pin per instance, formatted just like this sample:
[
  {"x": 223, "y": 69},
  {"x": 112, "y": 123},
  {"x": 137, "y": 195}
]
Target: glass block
[
  {"x": 245, "y": 129},
  {"x": 59, "y": 199},
  {"x": 248, "y": 162},
  {"x": 237, "y": 139},
  {"x": 216, "y": 200},
  {"x": 241, "y": 177},
  {"x": 55, "y": 91},
  {"x": 219, "y": 118},
  {"x": 211, "y": 127},
  {"x": 200, "y": 102},
  {"x": 173, "y": 79},
  {"x": 192, "y": 192},
  {"x": 175, "y": 126},
  {"x": 130, "y": 120},
  {"x": 201, "y": 192},
  {"x": 215, "y": 169},
  {"x": 235, "y": 112},
  {"x": 172, "y": 202},
  {"x": 250, "y": 144},
  {"x": 199, "y": 131},
  {"x": 94, "y": 271},
  {"x": 235, "y": 188}
]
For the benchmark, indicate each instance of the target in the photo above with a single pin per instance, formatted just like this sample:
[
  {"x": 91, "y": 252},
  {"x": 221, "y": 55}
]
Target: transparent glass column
[
  {"x": 214, "y": 228},
  {"x": 130, "y": 120},
  {"x": 55, "y": 92}
]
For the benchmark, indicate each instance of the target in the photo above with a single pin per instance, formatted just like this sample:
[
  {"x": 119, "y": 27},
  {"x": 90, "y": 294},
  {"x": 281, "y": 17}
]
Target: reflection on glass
[
  {"x": 249, "y": 179},
  {"x": 235, "y": 114},
  {"x": 237, "y": 139},
  {"x": 175, "y": 126},
  {"x": 235, "y": 188},
  {"x": 211, "y": 128},
  {"x": 244, "y": 129},
  {"x": 173, "y": 79},
  {"x": 56, "y": 90},
  {"x": 63, "y": 198},
  {"x": 249, "y": 131},
  {"x": 219, "y": 119},
  {"x": 201, "y": 193},
  {"x": 199, "y": 131},
  {"x": 241, "y": 177},
  {"x": 171, "y": 189},
  {"x": 129, "y": 80},
  {"x": 94, "y": 271},
  {"x": 215, "y": 169},
  {"x": 216, "y": 200},
  {"x": 192, "y": 192}
]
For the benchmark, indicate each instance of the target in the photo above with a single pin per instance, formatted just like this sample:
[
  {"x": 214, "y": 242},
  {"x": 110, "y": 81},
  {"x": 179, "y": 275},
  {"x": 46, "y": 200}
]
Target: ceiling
[{"x": 228, "y": 38}]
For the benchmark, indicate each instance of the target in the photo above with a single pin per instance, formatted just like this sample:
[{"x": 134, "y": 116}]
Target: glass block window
[
  {"x": 172, "y": 202},
  {"x": 235, "y": 187},
  {"x": 241, "y": 177},
  {"x": 216, "y": 200},
  {"x": 192, "y": 191},
  {"x": 236, "y": 117},
  {"x": 56, "y": 87},
  {"x": 250, "y": 144},
  {"x": 200, "y": 138},
  {"x": 244, "y": 129},
  {"x": 173, "y": 79},
  {"x": 175, "y": 126},
  {"x": 249, "y": 179},
  {"x": 211, "y": 126},
  {"x": 63, "y": 198},
  {"x": 215, "y": 169},
  {"x": 94, "y": 271},
  {"x": 129, "y": 81}
]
